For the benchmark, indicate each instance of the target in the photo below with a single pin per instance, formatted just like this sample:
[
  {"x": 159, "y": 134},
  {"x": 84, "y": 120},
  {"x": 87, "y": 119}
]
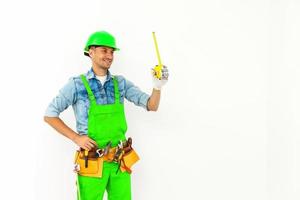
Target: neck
[{"x": 99, "y": 71}]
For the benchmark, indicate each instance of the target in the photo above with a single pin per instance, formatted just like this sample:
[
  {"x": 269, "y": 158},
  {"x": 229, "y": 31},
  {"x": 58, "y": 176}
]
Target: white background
[{"x": 228, "y": 123}]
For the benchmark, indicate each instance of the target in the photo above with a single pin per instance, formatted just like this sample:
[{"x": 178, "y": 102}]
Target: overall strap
[
  {"x": 116, "y": 88},
  {"x": 88, "y": 89}
]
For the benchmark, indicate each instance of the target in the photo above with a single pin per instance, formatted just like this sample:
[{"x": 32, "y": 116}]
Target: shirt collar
[{"x": 90, "y": 74}]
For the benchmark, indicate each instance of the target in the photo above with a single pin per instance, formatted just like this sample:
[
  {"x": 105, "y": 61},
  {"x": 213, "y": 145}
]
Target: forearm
[
  {"x": 61, "y": 127},
  {"x": 154, "y": 100}
]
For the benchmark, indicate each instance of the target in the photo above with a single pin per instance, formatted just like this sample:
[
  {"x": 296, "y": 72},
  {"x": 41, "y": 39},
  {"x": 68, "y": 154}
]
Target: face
[{"x": 102, "y": 57}]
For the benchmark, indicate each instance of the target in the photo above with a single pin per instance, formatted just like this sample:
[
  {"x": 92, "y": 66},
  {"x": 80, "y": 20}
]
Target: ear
[{"x": 91, "y": 52}]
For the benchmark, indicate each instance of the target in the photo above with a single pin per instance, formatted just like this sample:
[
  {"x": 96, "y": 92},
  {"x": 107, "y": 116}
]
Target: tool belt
[{"x": 90, "y": 163}]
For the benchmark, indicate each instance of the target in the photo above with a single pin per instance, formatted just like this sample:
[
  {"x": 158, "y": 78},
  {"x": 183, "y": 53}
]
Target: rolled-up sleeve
[
  {"x": 135, "y": 95},
  {"x": 65, "y": 98}
]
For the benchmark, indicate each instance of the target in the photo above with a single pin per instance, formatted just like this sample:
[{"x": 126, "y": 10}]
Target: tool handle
[{"x": 86, "y": 153}]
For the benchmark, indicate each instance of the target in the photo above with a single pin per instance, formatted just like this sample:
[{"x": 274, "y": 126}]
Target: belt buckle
[
  {"x": 100, "y": 152},
  {"x": 104, "y": 151}
]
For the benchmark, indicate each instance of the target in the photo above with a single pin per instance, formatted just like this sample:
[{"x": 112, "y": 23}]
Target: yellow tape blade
[{"x": 156, "y": 48}]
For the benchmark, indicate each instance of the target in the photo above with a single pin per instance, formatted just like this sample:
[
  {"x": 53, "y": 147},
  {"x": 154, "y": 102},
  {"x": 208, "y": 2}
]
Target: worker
[{"x": 97, "y": 98}]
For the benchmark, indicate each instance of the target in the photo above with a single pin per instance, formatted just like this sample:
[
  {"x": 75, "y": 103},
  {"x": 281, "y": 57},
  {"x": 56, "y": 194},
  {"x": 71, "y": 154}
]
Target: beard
[{"x": 105, "y": 64}]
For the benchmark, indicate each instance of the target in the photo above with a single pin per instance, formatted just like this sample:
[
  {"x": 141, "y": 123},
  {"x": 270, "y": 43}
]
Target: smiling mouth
[{"x": 107, "y": 61}]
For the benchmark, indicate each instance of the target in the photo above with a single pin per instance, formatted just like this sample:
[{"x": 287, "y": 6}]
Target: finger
[
  {"x": 165, "y": 71},
  {"x": 89, "y": 148},
  {"x": 90, "y": 144},
  {"x": 93, "y": 142},
  {"x": 165, "y": 76},
  {"x": 85, "y": 147},
  {"x": 153, "y": 72}
]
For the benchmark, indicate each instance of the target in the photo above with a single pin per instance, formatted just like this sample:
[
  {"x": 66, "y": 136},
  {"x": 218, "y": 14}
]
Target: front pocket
[{"x": 94, "y": 168}]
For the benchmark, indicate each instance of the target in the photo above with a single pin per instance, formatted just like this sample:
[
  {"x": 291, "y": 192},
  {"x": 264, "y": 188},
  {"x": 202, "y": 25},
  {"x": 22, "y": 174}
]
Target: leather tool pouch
[
  {"x": 94, "y": 168},
  {"x": 130, "y": 157}
]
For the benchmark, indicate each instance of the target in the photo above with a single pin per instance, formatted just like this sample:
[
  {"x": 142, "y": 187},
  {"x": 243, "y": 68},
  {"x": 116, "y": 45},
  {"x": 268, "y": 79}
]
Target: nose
[{"x": 109, "y": 55}]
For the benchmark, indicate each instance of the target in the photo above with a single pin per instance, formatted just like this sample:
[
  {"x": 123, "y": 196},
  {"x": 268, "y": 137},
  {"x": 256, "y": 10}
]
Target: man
[{"x": 97, "y": 98}]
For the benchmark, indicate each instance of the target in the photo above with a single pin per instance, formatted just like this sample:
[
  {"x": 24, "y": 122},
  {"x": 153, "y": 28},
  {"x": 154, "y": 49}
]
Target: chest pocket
[{"x": 111, "y": 93}]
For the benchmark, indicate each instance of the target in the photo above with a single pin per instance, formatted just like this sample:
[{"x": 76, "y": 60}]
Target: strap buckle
[{"x": 104, "y": 151}]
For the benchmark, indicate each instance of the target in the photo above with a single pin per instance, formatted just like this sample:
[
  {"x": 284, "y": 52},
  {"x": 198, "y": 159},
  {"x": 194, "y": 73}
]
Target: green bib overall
[{"x": 105, "y": 123}]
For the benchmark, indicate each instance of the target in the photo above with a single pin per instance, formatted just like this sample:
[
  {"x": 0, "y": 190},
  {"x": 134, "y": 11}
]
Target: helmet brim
[{"x": 86, "y": 52}]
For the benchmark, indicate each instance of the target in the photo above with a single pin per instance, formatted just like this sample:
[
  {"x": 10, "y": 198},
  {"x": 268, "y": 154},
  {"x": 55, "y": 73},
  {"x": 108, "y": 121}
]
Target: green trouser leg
[{"x": 116, "y": 184}]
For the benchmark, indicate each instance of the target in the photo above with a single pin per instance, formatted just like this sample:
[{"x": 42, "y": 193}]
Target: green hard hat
[{"x": 100, "y": 38}]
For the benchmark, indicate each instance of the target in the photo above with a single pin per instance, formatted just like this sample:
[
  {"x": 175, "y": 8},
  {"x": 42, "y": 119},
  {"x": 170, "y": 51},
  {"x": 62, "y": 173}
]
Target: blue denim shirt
[{"x": 75, "y": 94}]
